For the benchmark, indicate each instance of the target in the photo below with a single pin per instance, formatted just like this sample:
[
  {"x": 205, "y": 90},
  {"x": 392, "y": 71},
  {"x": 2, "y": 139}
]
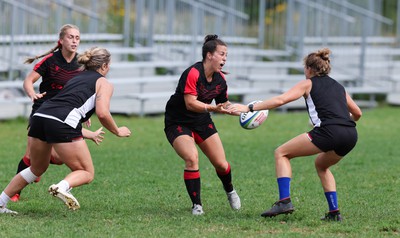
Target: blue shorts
[
  {"x": 199, "y": 133},
  {"x": 53, "y": 131},
  {"x": 340, "y": 139}
]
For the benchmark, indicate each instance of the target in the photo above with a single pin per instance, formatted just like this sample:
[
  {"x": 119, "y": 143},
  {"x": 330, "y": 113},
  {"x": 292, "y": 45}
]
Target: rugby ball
[{"x": 252, "y": 120}]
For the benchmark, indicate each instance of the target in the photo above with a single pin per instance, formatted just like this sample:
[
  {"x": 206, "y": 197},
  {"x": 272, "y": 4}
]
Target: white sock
[
  {"x": 4, "y": 199},
  {"x": 63, "y": 185}
]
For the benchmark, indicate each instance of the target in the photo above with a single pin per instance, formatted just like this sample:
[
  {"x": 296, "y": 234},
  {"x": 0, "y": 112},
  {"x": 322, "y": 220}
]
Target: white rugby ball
[{"x": 252, "y": 120}]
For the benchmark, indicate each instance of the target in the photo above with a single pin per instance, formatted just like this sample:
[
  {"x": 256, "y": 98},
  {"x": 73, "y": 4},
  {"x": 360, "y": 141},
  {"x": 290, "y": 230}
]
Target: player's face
[
  {"x": 71, "y": 40},
  {"x": 219, "y": 58}
]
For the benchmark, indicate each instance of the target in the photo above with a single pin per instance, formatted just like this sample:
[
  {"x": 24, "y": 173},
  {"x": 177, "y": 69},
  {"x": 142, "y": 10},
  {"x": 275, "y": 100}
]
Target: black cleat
[
  {"x": 280, "y": 207},
  {"x": 332, "y": 216}
]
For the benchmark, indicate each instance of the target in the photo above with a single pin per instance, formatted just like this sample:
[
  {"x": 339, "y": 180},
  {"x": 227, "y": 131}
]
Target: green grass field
[{"x": 139, "y": 190}]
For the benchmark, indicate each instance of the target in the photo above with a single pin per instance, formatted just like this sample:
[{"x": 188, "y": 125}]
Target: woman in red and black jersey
[
  {"x": 57, "y": 67},
  {"x": 188, "y": 121}
]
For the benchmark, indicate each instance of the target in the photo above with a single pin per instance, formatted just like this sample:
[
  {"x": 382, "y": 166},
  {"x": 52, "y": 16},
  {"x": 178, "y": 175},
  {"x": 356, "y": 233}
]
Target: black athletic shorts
[
  {"x": 199, "y": 133},
  {"x": 340, "y": 139},
  {"x": 53, "y": 131}
]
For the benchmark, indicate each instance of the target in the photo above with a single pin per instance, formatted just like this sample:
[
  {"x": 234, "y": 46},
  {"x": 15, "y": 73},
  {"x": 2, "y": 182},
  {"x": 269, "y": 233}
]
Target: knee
[
  {"x": 320, "y": 167},
  {"x": 38, "y": 170},
  {"x": 221, "y": 166},
  {"x": 191, "y": 163},
  {"x": 279, "y": 154},
  {"x": 282, "y": 153},
  {"x": 89, "y": 177}
]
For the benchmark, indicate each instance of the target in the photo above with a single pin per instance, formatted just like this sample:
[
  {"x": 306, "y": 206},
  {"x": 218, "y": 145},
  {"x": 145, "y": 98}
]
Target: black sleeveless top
[
  {"x": 326, "y": 103},
  {"x": 75, "y": 103}
]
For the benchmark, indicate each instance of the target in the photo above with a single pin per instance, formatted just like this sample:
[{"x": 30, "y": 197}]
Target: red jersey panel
[
  {"x": 55, "y": 72},
  {"x": 194, "y": 82}
]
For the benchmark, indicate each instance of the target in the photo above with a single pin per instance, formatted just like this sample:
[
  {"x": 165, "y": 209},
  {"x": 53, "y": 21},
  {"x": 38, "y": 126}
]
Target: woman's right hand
[{"x": 123, "y": 131}]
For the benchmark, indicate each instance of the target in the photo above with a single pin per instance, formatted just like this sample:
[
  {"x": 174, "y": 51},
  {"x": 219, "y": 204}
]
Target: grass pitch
[{"x": 139, "y": 191}]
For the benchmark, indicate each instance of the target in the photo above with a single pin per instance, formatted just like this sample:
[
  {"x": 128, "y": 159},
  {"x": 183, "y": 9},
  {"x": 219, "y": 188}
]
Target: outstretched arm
[{"x": 301, "y": 89}]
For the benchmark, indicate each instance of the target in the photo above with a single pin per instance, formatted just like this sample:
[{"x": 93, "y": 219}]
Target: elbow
[
  {"x": 356, "y": 115},
  {"x": 102, "y": 115},
  {"x": 190, "y": 107}
]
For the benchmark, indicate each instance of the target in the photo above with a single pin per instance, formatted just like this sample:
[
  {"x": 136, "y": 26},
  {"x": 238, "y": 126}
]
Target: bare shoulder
[{"x": 104, "y": 82}]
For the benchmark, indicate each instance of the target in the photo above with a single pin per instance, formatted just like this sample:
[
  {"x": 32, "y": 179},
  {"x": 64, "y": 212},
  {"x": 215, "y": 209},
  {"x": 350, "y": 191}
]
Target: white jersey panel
[
  {"x": 312, "y": 112},
  {"x": 75, "y": 116}
]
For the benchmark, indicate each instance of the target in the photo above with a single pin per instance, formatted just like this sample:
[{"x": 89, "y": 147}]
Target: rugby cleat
[
  {"x": 280, "y": 207},
  {"x": 197, "y": 209},
  {"x": 7, "y": 211},
  {"x": 332, "y": 216},
  {"x": 69, "y": 200},
  {"x": 234, "y": 200}
]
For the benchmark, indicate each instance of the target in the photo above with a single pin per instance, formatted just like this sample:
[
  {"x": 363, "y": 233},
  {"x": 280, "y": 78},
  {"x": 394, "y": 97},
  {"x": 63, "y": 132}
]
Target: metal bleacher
[{"x": 264, "y": 54}]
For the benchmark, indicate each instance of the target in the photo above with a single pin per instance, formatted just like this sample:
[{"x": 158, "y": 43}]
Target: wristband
[{"x": 205, "y": 107}]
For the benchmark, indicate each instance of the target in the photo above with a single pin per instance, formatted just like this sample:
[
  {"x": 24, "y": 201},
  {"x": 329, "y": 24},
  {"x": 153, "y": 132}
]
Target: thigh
[
  {"x": 39, "y": 155},
  {"x": 300, "y": 145},
  {"x": 75, "y": 155},
  {"x": 212, "y": 147},
  {"x": 181, "y": 139},
  {"x": 185, "y": 147},
  {"x": 326, "y": 159}
]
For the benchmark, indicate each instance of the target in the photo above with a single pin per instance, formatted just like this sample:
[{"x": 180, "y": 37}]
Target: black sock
[
  {"x": 226, "y": 179},
  {"x": 21, "y": 166},
  {"x": 192, "y": 182}
]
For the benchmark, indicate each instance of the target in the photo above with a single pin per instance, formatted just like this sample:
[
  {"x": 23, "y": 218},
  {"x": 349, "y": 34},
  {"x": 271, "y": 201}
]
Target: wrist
[
  {"x": 251, "y": 107},
  {"x": 205, "y": 107}
]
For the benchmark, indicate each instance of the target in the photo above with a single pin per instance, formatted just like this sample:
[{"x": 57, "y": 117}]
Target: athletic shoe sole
[
  {"x": 66, "y": 197},
  {"x": 276, "y": 214},
  {"x": 4, "y": 210}
]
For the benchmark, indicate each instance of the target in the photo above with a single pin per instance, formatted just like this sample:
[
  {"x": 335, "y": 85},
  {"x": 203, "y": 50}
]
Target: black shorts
[
  {"x": 340, "y": 139},
  {"x": 53, "y": 131},
  {"x": 199, "y": 133}
]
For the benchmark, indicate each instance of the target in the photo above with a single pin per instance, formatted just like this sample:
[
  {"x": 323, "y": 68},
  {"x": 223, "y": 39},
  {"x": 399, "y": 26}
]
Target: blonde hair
[
  {"x": 94, "y": 58},
  {"x": 61, "y": 34},
  {"x": 319, "y": 62}
]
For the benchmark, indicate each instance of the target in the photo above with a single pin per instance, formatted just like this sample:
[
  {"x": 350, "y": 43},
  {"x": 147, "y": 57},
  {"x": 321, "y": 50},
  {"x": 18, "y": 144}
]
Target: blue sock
[
  {"x": 284, "y": 187},
  {"x": 331, "y": 198}
]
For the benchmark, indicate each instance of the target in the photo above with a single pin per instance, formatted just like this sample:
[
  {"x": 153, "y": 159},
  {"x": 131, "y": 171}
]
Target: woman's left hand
[{"x": 97, "y": 136}]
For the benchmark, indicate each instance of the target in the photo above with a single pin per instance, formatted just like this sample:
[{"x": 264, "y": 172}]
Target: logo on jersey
[{"x": 179, "y": 129}]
